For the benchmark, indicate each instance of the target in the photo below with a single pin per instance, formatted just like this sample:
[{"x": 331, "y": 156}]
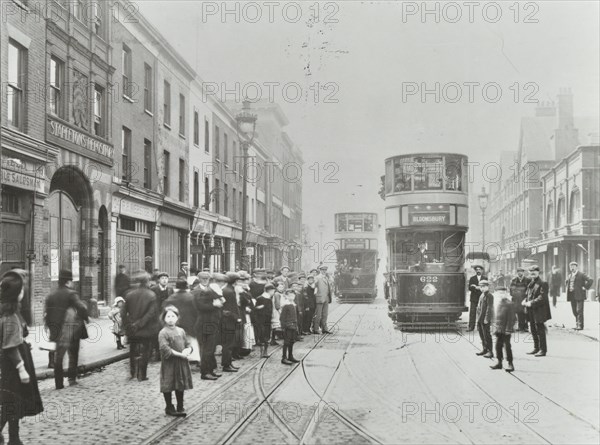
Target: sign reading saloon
[{"x": 65, "y": 135}]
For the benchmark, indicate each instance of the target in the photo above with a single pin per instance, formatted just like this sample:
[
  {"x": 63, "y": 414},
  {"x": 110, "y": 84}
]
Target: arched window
[
  {"x": 575, "y": 207},
  {"x": 550, "y": 216},
  {"x": 560, "y": 212}
]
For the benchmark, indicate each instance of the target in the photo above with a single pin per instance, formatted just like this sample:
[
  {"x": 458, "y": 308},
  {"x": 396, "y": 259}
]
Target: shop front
[
  {"x": 200, "y": 245},
  {"x": 173, "y": 240},
  {"x": 221, "y": 249}
]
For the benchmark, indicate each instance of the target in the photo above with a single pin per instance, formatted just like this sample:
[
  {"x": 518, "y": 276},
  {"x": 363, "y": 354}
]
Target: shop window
[{"x": 10, "y": 202}]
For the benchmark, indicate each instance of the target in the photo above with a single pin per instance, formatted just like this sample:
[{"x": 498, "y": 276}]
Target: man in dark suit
[
  {"x": 208, "y": 303},
  {"x": 229, "y": 321},
  {"x": 555, "y": 282},
  {"x": 537, "y": 307},
  {"x": 121, "y": 282},
  {"x": 518, "y": 290},
  {"x": 475, "y": 291},
  {"x": 183, "y": 273},
  {"x": 140, "y": 320},
  {"x": 485, "y": 316},
  {"x": 64, "y": 317},
  {"x": 162, "y": 290},
  {"x": 323, "y": 294},
  {"x": 310, "y": 303},
  {"x": 577, "y": 285}
]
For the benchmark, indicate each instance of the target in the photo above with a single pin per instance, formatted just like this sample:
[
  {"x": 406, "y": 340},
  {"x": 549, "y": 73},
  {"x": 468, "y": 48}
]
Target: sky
[{"x": 370, "y": 62}]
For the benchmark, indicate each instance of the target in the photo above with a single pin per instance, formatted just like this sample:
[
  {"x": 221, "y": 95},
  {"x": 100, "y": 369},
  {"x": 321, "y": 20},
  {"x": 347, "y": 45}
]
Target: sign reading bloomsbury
[
  {"x": 420, "y": 215},
  {"x": 72, "y": 139}
]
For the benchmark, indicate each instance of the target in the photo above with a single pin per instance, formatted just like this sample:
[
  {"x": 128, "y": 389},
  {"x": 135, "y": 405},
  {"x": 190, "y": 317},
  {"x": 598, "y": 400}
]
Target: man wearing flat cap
[
  {"x": 475, "y": 293},
  {"x": 485, "y": 316},
  {"x": 577, "y": 285},
  {"x": 64, "y": 317},
  {"x": 162, "y": 290},
  {"x": 183, "y": 271},
  {"x": 230, "y": 321},
  {"x": 537, "y": 308},
  {"x": 257, "y": 284},
  {"x": 518, "y": 289},
  {"x": 323, "y": 294}
]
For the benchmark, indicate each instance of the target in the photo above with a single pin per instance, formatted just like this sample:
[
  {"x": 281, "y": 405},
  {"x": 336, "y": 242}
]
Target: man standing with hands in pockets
[{"x": 323, "y": 293}]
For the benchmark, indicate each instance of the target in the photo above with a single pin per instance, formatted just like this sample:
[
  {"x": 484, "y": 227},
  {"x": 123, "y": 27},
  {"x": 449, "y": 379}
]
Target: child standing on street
[
  {"x": 115, "y": 316},
  {"x": 505, "y": 325},
  {"x": 175, "y": 371},
  {"x": 289, "y": 324}
]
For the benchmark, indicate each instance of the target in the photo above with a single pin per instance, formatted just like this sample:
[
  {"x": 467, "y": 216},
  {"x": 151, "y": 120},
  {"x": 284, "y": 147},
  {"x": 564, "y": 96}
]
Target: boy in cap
[
  {"x": 475, "y": 289},
  {"x": 577, "y": 285},
  {"x": 505, "y": 323},
  {"x": 162, "y": 290},
  {"x": 308, "y": 295},
  {"x": 289, "y": 324},
  {"x": 485, "y": 315},
  {"x": 518, "y": 289}
]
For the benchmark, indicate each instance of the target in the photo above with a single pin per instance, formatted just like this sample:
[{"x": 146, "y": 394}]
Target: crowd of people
[{"x": 524, "y": 302}]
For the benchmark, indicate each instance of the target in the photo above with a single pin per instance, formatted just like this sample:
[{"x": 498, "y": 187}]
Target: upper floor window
[
  {"x": 206, "y": 135},
  {"x": 225, "y": 148},
  {"x": 217, "y": 141},
  {"x": 550, "y": 216},
  {"x": 126, "y": 158},
  {"x": 148, "y": 87},
  {"x": 57, "y": 79},
  {"x": 167, "y": 104},
  {"x": 575, "y": 207},
  {"x": 126, "y": 66},
  {"x": 196, "y": 128},
  {"x": 560, "y": 212},
  {"x": 16, "y": 85},
  {"x": 182, "y": 114},
  {"x": 98, "y": 111},
  {"x": 147, "y": 163},
  {"x": 181, "y": 179}
]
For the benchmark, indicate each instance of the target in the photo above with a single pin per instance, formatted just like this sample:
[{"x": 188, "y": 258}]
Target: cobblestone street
[{"x": 366, "y": 383}]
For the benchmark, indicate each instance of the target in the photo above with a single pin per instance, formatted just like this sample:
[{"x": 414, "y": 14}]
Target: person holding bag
[{"x": 19, "y": 392}]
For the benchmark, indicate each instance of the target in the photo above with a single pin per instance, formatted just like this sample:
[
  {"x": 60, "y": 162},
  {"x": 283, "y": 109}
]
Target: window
[
  {"x": 234, "y": 212},
  {"x": 182, "y": 115},
  {"x": 217, "y": 198},
  {"x": 225, "y": 148},
  {"x": 10, "y": 202},
  {"x": 98, "y": 110},
  {"x": 560, "y": 212},
  {"x": 77, "y": 8},
  {"x": 427, "y": 173},
  {"x": 181, "y": 179},
  {"x": 206, "y": 193},
  {"x": 167, "y": 167},
  {"x": 57, "y": 78},
  {"x": 16, "y": 84},
  {"x": 453, "y": 173},
  {"x": 217, "y": 141},
  {"x": 167, "y": 104},
  {"x": 196, "y": 129},
  {"x": 148, "y": 87},
  {"x": 126, "y": 146},
  {"x": 226, "y": 204},
  {"x": 241, "y": 206},
  {"x": 206, "y": 136},
  {"x": 196, "y": 189},
  {"x": 575, "y": 207},
  {"x": 147, "y": 163},
  {"x": 126, "y": 64},
  {"x": 252, "y": 217},
  {"x": 97, "y": 25},
  {"x": 550, "y": 216},
  {"x": 236, "y": 159}
]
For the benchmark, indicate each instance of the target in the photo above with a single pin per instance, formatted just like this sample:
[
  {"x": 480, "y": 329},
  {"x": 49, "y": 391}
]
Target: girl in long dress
[
  {"x": 175, "y": 371},
  {"x": 263, "y": 313}
]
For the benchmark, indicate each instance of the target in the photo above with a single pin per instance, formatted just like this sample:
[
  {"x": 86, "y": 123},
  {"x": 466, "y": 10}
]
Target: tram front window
[
  {"x": 414, "y": 250},
  {"x": 349, "y": 262},
  {"x": 428, "y": 173}
]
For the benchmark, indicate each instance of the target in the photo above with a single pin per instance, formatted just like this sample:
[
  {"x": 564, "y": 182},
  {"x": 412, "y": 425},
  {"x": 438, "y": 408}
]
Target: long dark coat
[
  {"x": 475, "y": 293},
  {"x": 209, "y": 316},
  {"x": 162, "y": 295},
  {"x": 141, "y": 313},
  {"x": 518, "y": 290},
  {"x": 57, "y": 304},
  {"x": 262, "y": 319},
  {"x": 537, "y": 294},
  {"x": 505, "y": 317}
]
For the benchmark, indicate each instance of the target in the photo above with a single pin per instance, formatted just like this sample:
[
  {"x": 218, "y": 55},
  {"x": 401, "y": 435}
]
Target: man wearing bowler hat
[
  {"x": 537, "y": 307},
  {"x": 475, "y": 291},
  {"x": 65, "y": 314},
  {"x": 577, "y": 285},
  {"x": 323, "y": 293}
]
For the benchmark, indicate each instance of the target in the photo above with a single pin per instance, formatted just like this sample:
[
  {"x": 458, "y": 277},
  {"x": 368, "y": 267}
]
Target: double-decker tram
[
  {"x": 356, "y": 270},
  {"x": 426, "y": 219}
]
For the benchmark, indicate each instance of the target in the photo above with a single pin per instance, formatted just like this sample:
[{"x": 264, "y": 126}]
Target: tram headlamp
[
  {"x": 354, "y": 281},
  {"x": 429, "y": 290}
]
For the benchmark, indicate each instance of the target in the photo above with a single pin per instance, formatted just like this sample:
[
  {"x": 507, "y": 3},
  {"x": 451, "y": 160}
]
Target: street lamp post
[
  {"x": 246, "y": 130},
  {"x": 321, "y": 229},
  {"x": 483, "y": 203}
]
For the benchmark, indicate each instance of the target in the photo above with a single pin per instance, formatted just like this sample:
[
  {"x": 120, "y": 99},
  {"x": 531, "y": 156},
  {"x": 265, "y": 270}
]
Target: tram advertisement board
[{"x": 429, "y": 215}]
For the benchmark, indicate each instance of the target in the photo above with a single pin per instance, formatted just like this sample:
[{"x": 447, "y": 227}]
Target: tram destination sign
[{"x": 429, "y": 218}]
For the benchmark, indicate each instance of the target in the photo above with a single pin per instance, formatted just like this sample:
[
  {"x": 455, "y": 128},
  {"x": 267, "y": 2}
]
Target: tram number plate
[{"x": 429, "y": 279}]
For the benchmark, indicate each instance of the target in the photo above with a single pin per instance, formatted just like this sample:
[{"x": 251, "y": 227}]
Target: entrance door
[{"x": 65, "y": 234}]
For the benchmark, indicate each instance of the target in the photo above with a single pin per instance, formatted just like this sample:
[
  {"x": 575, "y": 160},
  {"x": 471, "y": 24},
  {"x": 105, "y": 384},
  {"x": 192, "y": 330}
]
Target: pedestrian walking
[
  {"x": 475, "y": 293},
  {"x": 577, "y": 286},
  {"x": 115, "y": 316},
  {"x": 208, "y": 303},
  {"x": 122, "y": 282},
  {"x": 485, "y": 316},
  {"x": 175, "y": 372},
  {"x": 278, "y": 296},
  {"x": 141, "y": 323},
  {"x": 518, "y": 290},
  {"x": 65, "y": 317},
  {"x": 263, "y": 314},
  {"x": 230, "y": 320},
  {"x": 537, "y": 307},
  {"x": 555, "y": 282},
  {"x": 504, "y": 324},
  {"x": 184, "y": 302},
  {"x": 19, "y": 392},
  {"x": 323, "y": 293},
  {"x": 310, "y": 303},
  {"x": 289, "y": 324}
]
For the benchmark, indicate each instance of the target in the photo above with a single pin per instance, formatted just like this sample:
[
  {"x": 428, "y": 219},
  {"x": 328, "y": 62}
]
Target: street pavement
[{"x": 367, "y": 383}]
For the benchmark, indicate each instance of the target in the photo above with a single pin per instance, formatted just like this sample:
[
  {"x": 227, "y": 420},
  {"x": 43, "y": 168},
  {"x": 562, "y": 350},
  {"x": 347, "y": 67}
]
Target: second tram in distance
[
  {"x": 426, "y": 219},
  {"x": 356, "y": 271}
]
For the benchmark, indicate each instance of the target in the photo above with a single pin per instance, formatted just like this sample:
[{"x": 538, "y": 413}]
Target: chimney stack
[{"x": 566, "y": 135}]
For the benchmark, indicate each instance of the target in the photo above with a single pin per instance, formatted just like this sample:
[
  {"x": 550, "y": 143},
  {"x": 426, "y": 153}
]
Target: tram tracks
[{"x": 258, "y": 367}]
